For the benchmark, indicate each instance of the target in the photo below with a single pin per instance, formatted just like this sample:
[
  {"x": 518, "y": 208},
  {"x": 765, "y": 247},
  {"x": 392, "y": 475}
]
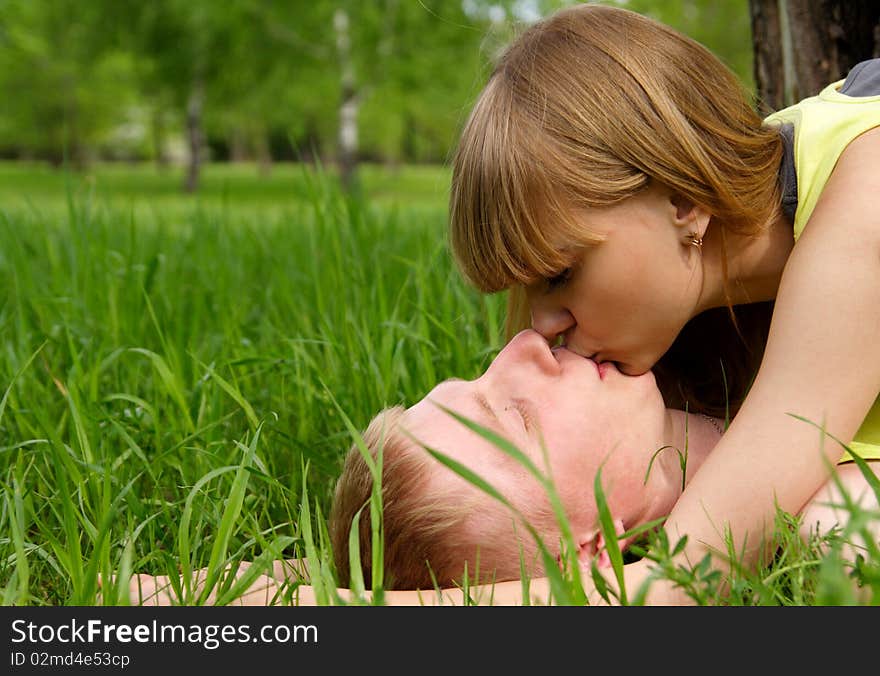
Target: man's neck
[
  {"x": 687, "y": 441},
  {"x": 690, "y": 437},
  {"x": 696, "y": 435}
]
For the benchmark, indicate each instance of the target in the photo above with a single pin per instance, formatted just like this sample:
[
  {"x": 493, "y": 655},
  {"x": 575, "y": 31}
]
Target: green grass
[
  {"x": 141, "y": 354},
  {"x": 239, "y": 189},
  {"x": 176, "y": 372}
]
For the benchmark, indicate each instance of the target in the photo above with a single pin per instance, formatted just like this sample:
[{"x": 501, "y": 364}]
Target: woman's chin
[{"x": 632, "y": 369}]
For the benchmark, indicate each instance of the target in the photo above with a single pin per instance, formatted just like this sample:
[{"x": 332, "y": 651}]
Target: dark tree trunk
[
  {"x": 158, "y": 137},
  {"x": 73, "y": 149},
  {"x": 195, "y": 135},
  {"x": 768, "y": 62},
  {"x": 347, "y": 144},
  {"x": 263, "y": 151},
  {"x": 800, "y": 46},
  {"x": 238, "y": 151}
]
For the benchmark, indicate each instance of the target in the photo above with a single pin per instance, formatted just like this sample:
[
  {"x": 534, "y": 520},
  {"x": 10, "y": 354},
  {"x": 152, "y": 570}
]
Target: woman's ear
[{"x": 689, "y": 215}]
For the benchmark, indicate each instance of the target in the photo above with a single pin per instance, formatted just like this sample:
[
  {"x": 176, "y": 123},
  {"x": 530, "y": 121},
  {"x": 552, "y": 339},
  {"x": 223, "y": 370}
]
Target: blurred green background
[
  {"x": 193, "y": 318},
  {"x": 259, "y": 83}
]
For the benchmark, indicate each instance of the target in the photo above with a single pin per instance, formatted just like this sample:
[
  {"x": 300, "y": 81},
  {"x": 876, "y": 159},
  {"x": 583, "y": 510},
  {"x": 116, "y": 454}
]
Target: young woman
[{"x": 614, "y": 177}]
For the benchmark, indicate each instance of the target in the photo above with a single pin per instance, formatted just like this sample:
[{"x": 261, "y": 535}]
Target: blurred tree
[
  {"x": 399, "y": 71},
  {"x": 802, "y": 46},
  {"x": 185, "y": 46},
  {"x": 430, "y": 63},
  {"x": 61, "y": 84},
  {"x": 278, "y": 81},
  {"x": 385, "y": 80}
]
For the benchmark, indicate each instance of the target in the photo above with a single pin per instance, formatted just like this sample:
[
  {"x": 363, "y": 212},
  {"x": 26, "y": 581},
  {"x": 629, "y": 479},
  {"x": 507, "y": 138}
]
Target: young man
[{"x": 570, "y": 418}]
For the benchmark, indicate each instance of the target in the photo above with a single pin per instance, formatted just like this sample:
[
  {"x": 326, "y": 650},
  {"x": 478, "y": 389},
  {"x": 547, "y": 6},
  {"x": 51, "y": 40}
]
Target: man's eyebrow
[
  {"x": 482, "y": 402},
  {"x": 480, "y": 398}
]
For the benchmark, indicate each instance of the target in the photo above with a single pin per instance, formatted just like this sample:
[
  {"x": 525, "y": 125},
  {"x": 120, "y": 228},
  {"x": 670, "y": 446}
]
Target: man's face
[{"x": 584, "y": 414}]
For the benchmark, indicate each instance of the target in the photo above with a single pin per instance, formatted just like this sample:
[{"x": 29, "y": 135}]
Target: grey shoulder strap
[
  {"x": 787, "y": 173},
  {"x": 863, "y": 79}
]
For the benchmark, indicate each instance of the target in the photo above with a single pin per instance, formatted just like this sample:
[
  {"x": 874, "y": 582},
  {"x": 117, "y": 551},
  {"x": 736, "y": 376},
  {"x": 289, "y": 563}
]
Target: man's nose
[{"x": 527, "y": 347}]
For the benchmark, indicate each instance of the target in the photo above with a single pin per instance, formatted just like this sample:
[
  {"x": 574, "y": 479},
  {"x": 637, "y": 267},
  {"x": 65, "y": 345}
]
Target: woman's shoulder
[
  {"x": 848, "y": 198},
  {"x": 859, "y": 163},
  {"x": 831, "y": 134},
  {"x": 864, "y": 145}
]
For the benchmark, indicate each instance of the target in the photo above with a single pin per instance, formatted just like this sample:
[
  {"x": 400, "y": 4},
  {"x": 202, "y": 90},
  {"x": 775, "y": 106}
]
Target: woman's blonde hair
[
  {"x": 433, "y": 533},
  {"x": 584, "y": 109}
]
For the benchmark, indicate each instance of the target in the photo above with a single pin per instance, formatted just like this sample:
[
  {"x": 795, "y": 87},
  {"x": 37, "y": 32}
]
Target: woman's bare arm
[{"x": 822, "y": 362}]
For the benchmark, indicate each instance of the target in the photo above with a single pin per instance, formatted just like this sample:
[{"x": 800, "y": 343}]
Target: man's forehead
[
  {"x": 427, "y": 411},
  {"x": 443, "y": 393},
  {"x": 450, "y": 381}
]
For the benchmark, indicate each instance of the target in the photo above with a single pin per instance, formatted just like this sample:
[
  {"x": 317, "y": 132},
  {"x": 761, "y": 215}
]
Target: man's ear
[
  {"x": 592, "y": 544},
  {"x": 689, "y": 215}
]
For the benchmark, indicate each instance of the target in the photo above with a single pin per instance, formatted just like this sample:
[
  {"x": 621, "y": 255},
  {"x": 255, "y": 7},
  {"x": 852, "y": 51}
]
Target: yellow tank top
[{"x": 823, "y": 126}]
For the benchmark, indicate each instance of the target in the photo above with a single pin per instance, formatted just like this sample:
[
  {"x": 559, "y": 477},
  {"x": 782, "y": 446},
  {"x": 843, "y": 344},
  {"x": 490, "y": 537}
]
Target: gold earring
[{"x": 694, "y": 239}]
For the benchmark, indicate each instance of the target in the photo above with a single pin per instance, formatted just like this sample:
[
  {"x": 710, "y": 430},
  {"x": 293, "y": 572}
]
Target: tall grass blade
[
  {"x": 184, "y": 543},
  {"x": 17, "y": 375},
  {"x": 231, "y": 512},
  {"x": 609, "y": 536},
  {"x": 312, "y": 557}
]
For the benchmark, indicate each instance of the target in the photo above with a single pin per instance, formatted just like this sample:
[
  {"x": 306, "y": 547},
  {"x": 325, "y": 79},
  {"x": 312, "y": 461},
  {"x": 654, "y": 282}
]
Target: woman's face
[
  {"x": 583, "y": 413},
  {"x": 625, "y": 299}
]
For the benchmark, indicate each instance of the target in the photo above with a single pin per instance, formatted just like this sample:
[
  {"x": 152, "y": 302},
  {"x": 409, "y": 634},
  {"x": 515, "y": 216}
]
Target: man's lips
[
  {"x": 607, "y": 367},
  {"x": 602, "y": 368}
]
